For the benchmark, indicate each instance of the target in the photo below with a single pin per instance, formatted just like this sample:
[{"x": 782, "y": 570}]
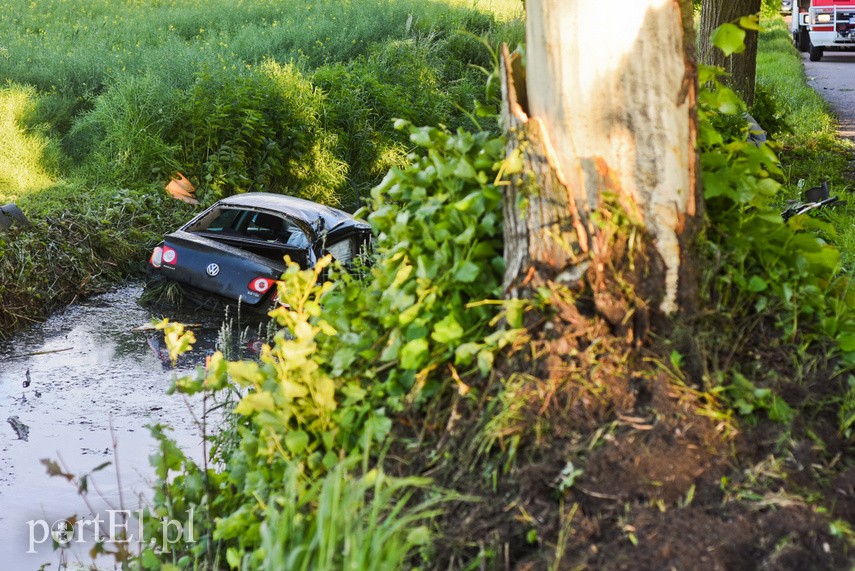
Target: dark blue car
[{"x": 235, "y": 249}]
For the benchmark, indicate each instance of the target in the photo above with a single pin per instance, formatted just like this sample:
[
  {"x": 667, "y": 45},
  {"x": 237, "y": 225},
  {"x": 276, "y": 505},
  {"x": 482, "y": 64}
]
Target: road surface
[{"x": 834, "y": 78}]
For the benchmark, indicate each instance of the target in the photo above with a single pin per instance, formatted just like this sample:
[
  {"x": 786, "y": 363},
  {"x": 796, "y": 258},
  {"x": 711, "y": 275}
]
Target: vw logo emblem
[{"x": 213, "y": 269}]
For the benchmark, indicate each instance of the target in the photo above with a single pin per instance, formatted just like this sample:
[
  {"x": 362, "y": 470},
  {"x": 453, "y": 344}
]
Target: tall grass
[
  {"x": 810, "y": 149},
  {"x": 118, "y": 84},
  {"x": 79, "y": 46},
  {"x": 29, "y": 159},
  {"x": 345, "y": 521},
  {"x": 104, "y": 99},
  {"x": 780, "y": 72}
]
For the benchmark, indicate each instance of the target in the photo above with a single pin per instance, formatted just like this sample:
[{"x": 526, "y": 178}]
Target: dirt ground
[{"x": 660, "y": 478}]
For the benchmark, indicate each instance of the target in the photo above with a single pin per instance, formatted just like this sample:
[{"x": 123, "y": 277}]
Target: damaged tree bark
[{"x": 607, "y": 201}]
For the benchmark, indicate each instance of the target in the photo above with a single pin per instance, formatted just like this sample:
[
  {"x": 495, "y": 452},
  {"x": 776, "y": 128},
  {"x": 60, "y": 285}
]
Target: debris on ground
[
  {"x": 756, "y": 133},
  {"x": 9, "y": 214},
  {"x": 21, "y": 429},
  {"x": 182, "y": 189},
  {"x": 813, "y": 198}
]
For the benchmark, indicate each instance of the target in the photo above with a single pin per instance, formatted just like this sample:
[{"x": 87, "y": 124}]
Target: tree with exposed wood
[
  {"x": 742, "y": 66},
  {"x": 607, "y": 199}
]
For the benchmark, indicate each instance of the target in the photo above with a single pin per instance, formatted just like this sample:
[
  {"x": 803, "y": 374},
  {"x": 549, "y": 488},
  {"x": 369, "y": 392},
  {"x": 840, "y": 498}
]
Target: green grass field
[{"x": 107, "y": 83}]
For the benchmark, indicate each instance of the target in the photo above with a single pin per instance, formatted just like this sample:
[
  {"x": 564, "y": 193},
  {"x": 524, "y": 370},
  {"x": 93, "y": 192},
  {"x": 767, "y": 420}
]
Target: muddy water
[{"x": 63, "y": 384}]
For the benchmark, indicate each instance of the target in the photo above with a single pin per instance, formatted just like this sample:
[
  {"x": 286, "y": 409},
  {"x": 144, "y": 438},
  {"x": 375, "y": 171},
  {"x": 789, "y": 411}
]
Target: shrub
[
  {"x": 250, "y": 130},
  {"x": 347, "y": 356},
  {"x": 125, "y": 136}
]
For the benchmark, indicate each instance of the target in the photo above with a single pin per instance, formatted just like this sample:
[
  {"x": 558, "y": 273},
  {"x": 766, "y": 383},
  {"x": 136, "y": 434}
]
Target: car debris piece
[
  {"x": 756, "y": 133},
  {"x": 182, "y": 189},
  {"x": 235, "y": 249},
  {"x": 10, "y": 213},
  {"x": 813, "y": 198},
  {"x": 816, "y": 193}
]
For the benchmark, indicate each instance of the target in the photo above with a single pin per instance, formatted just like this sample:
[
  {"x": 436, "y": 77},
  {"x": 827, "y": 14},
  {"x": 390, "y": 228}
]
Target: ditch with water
[{"x": 94, "y": 374}]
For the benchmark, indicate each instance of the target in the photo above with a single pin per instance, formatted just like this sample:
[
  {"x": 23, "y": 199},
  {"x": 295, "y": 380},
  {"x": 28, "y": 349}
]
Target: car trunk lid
[{"x": 225, "y": 267}]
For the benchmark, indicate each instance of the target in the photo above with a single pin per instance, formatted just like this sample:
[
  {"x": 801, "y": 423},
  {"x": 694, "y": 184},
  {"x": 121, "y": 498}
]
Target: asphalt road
[{"x": 834, "y": 78}]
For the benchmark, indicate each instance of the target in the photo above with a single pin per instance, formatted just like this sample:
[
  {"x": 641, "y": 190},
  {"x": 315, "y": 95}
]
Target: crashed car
[{"x": 235, "y": 249}]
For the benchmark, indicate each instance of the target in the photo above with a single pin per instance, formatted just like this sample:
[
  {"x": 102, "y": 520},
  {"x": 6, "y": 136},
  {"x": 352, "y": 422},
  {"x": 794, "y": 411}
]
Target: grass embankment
[
  {"x": 104, "y": 101},
  {"x": 805, "y": 127}
]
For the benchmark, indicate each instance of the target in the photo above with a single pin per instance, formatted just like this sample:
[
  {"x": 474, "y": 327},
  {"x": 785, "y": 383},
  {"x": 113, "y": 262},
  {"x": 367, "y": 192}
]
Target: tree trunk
[
  {"x": 742, "y": 66},
  {"x": 608, "y": 200}
]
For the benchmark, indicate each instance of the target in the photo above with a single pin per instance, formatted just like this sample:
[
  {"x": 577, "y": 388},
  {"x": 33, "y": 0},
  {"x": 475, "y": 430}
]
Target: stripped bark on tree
[{"x": 608, "y": 200}]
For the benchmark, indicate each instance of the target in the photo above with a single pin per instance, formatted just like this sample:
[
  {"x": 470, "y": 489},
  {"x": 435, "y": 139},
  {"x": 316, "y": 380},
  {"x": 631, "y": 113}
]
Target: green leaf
[
  {"x": 467, "y": 273},
  {"x": 464, "y": 353},
  {"x": 729, "y": 38},
  {"x": 324, "y": 393},
  {"x": 515, "y": 309},
  {"x": 53, "y": 469},
  {"x": 414, "y": 354},
  {"x": 464, "y": 170},
  {"x": 757, "y": 284},
  {"x": 846, "y": 341},
  {"x": 745, "y": 408},
  {"x": 419, "y": 536},
  {"x": 149, "y": 560},
  {"x": 378, "y": 426},
  {"x": 514, "y": 162},
  {"x": 780, "y": 411},
  {"x": 750, "y": 22},
  {"x": 485, "y": 361},
  {"x": 233, "y": 557},
  {"x": 296, "y": 441},
  {"x": 255, "y": 402},
  {"x": 421, "y": 137},
  {"x": 447, "y": 330}
]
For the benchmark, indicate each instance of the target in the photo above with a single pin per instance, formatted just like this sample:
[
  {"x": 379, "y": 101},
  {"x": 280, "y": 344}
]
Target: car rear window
[
  {"x": 253, "y": 224},
  {"x": 223, "y": 222}
]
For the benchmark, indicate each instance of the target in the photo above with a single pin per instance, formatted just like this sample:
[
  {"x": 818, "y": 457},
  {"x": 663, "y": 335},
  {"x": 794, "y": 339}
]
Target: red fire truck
[{"x": 822, "y": 25}]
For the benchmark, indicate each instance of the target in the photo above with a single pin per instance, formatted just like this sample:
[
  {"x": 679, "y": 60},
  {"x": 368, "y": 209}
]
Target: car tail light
[
  {"x": 261, "y": 285},
  {"x": 170, "y": 256},
  {"x": 156, "y": 259}
]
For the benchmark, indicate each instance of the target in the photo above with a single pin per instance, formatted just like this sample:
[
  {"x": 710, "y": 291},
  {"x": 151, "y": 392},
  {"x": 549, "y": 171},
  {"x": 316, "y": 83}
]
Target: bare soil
[{"x": 666, "y": 478}]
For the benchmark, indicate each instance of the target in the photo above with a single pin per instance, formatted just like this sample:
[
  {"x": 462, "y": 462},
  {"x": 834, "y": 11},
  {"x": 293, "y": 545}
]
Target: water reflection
[{"x": 90, "y": 366}]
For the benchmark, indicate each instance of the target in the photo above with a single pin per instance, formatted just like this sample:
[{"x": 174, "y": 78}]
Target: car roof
[{"x": 298, "y": 208}]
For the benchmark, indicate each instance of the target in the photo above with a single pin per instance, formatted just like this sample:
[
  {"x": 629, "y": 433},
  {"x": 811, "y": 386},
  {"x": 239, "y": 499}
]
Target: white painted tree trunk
[{"x": 609, "y": 105}]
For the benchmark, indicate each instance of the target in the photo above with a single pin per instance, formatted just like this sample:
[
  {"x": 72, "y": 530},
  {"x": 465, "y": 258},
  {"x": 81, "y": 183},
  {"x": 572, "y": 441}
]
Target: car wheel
[
  {"x": 815, "y": 53},
  {"x": 803, "y": 42}
]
